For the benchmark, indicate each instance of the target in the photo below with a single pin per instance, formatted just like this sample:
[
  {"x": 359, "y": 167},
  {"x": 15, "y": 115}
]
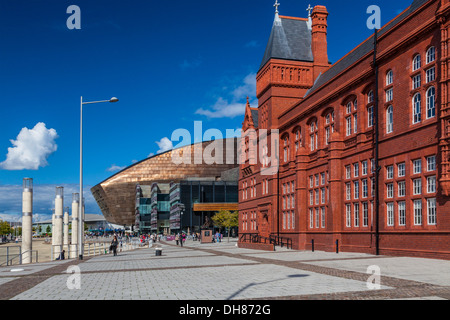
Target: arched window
[
  {"x": 286, "y": 148},
  {"x": 351, "y": 118},
  {"x": 298, "y": 139},
  {"x": 417, "y": 108},
  {"x": 389, "y": 77},
  {"x": 370, "y": 97},
  {"x": 314, "y": 136},
  {"x": 431, "y": 55},
  {"x": 329, "y": 126},
  {"x": 370, "y": 109},
  {"x": 417, "y": 62},
  {"x": 431, "y": 102},
  {"x": 390, "y": 119}
]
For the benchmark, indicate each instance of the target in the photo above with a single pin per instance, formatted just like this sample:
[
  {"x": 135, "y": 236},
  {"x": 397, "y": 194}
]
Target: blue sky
[{"x": 169, "y": 62}]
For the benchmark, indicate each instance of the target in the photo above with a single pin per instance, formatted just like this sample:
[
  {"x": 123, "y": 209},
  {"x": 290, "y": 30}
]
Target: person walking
[
  {"x": 177, "y": 238},
  {"x": 114, "y": 245},
  {"x": 182, "y": 239}
]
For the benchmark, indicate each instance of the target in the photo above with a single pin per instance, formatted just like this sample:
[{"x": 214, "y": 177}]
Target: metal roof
[{"x": 290, "y": 39}]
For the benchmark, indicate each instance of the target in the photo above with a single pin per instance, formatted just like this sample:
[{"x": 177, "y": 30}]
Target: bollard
[
  {"x": 312, "y": 245},
  {"x": 158, "y": 252},
  {"x": 337, "y": 246}
]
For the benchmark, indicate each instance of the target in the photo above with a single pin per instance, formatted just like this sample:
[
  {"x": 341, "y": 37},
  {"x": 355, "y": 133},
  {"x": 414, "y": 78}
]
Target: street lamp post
[{"x": 80, "y": 209}]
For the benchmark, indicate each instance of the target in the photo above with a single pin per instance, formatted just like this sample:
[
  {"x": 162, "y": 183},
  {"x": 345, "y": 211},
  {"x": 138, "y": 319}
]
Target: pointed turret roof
[{"x": 290, "y": 39}]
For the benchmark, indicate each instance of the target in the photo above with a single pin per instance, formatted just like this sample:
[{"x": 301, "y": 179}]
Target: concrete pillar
[
  {"x": 59, "y": 215},
  {"x": 27, "y": 220},
  {"x": 66, "y": 229},
  {"x": 53, "y": 226},
  {"x": 75, "y": 208}
]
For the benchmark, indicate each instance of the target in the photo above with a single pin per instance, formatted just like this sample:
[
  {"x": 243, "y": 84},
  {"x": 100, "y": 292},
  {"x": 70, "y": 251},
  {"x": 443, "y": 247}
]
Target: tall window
[
  {"x": 431, "y": 102},
  {"x": 348, "y": 214},
  {"x": 390, "y": 119},
  {"x": 389, "y": 77},
  {"x": 351, "y": 112},
  {"x": 431, "y": 163},
  {"x": 356, "y": 214},
  {"x": 417, "y": 212},
  {"x": 370, "y": 97},
  {"x": 431, "y": 211},
  {"x": 370, "y": 116},
  {"x": 431, "y": 55},
  {"x": 389, "y": 95},
  {"x": 348, "y": 122},
  {"x": 402, "y": 213},
  {"x": 298, "y": 139},
  {"x": 365, "y": 214},
  {"x": 390, "y": 214},
  {"x": 417, "y": 63},
  {"x": 314, "y": 137},
  {"x": 286, "y": 149},
  {"x": 370, "y": 109},
  {"x": 431, "y": 74},
  {"x": 417, "y": 108},
  {"x": 417, "y": 81},
  {"x": 329, "y": 126}
]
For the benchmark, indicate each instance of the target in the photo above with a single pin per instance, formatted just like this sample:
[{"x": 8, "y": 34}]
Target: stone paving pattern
[{"x": 225, "y": 272}]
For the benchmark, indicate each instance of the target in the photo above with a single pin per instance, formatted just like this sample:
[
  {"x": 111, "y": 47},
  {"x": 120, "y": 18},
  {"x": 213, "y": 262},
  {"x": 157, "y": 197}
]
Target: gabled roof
[
  {"x": 362, "y": 50},
  {"x": 290, "y": 39}
]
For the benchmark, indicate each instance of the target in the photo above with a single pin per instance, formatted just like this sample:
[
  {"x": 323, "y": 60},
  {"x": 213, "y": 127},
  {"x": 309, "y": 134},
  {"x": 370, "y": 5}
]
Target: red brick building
[{"x": 325, "y": 191}]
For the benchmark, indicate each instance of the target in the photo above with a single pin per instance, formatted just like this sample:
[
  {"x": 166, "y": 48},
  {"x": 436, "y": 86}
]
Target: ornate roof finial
[
  {"x": 277, "y": 17},
  {"x": 276, "y": 5},
  {"x": 309, "y": 10}
]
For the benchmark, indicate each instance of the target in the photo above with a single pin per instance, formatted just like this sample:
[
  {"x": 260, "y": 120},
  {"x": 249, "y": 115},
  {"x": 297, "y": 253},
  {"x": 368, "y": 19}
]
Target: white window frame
[
  {"x": 417, "y": 62},
  {"x": 431, "y": 212},
  {"x": 390, "y": 214},
  {"x": 418, "y": 215},
  {"x": 431, "y": 55},
  {"x": 401, "y": 213}
]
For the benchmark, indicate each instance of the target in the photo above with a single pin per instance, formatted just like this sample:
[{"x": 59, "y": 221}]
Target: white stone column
[
  {"x": 59, "y": 215},
  {"x": 27, "y": 220},
  {"x": 75, "y": 220},
  {"x": 66, "y": 229}
]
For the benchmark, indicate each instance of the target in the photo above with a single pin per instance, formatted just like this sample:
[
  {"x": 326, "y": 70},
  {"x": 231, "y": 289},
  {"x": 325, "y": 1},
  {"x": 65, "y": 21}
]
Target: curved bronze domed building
[{"x": 116, "y": 196}]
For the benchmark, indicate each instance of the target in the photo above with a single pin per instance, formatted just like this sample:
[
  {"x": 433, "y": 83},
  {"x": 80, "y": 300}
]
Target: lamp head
[{"x": 114, "y": 99}]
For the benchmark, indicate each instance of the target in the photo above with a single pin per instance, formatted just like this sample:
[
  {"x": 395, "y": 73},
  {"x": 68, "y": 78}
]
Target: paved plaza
[{"x": 225, "y": 272}]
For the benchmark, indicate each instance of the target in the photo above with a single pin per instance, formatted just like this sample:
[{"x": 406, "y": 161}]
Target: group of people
[
  {"x": 217, "y": 237},
  {"x": 180, "y": 238}
]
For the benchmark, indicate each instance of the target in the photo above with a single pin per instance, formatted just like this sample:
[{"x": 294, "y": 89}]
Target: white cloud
[
  {"x": 223, "y": 109},
  {"x": 31, "y": 149},
  {"x": 164, "y": 145},
  {"x": 115, "y": 168},
  {"x": 234, "y": 106}
]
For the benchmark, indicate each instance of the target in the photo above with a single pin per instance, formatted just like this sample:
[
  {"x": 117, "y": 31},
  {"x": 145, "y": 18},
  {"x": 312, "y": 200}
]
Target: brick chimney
[{"x": 319, "y": 46}]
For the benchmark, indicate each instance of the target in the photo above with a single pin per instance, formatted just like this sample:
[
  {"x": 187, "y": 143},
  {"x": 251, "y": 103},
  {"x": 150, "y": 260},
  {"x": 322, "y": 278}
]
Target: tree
[
  {"x": 5, "y": 228},
  {"x": 226, "y": 219},
  {"x": 48, "y": 230}
]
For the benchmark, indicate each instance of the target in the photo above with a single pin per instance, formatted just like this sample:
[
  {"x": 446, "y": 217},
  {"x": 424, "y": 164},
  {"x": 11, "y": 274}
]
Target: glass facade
[{"x": 175, "y": 209}]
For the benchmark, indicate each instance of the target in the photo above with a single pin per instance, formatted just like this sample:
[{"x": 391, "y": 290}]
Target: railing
[
  {"x": 97, "y": 248},
  {"x": 280, "y": 241},
  {"x": 13, "y": 255},
  {"x": 273, "y": 239}
]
